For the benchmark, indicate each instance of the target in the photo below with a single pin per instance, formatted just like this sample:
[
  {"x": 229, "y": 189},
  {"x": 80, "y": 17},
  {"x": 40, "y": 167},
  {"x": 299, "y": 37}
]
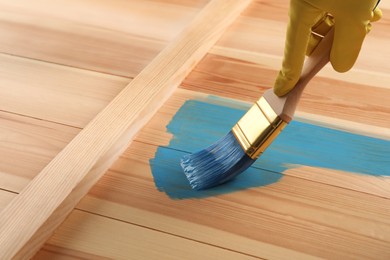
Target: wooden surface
[
  {"x": 97, "y": 47},
  {"x": 67, "y": 178}
]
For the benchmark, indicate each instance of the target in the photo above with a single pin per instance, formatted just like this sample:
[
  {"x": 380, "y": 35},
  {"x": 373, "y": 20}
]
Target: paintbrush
[{"x": 255, "y": 131}]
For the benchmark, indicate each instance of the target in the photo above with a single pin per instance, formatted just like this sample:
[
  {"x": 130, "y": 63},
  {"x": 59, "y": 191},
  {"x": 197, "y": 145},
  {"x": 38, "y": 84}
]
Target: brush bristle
[{"x": 219, "y": 163}]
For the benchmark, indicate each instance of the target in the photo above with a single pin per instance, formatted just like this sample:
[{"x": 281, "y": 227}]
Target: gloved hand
[{"x": 351, "y": 24}]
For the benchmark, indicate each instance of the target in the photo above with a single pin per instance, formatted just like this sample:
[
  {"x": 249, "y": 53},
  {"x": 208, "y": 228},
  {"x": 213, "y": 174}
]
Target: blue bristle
[{"x": 217, "y": 164}]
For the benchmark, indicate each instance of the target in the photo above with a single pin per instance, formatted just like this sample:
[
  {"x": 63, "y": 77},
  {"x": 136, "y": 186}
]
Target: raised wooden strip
[{"x": 54, "y": 192}]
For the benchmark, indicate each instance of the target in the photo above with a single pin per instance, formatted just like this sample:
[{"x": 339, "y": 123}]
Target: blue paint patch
[
  {"x": 200, "y": 123},
  {"x": 169, "y": 177},
  {"x": 316, "y": 146}
]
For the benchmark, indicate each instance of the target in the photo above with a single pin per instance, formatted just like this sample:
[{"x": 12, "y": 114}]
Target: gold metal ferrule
[{"x": 258, "y": 128}]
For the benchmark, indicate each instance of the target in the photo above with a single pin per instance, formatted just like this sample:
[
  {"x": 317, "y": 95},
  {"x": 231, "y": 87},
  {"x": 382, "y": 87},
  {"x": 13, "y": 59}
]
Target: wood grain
[
  {"x": 131, "y": 241},
  {"x": 245, "y": 61},
  {"x": 155, "y": 133},
  {"x": 239, "y": 79},
  {"x": 27, "y": 145},
  {"x": 309, "y": 213},
  {"x": 261, "y": 29},
  {"x": 55, "y": 190},
  {"x": 55, "y": 93},
  {"x": 320, "y": 224},
  {"x": 119, "y": 37},
  {"x": 5, "y": 198}
]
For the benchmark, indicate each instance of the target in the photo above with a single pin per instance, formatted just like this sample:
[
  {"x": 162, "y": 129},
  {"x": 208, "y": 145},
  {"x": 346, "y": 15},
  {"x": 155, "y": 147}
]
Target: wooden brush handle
[{"x": 285, "y": 106}]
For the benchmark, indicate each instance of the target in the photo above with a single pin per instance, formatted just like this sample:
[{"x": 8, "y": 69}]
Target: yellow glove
[{"x": 351, "y": 24}]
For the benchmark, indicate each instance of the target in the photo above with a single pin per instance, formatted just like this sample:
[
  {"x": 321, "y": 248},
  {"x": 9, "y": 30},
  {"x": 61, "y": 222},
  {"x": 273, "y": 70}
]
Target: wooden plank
[
  {"x": 154, "y": 19},
  {"x": 53, "y": 92},
  {"x": 27, "y": 145},
  {"x": 53, "y": 193},
  {"x": 240, "y": 79},
  {"x": 261, "y": 29},
  {"x": 116, "y": 37},
  {"x": 60, "y": 253},
  {"x": 272, "y": 62},
  {"x": 175, "y": 225},
  {"x": 121, "y": 240}
]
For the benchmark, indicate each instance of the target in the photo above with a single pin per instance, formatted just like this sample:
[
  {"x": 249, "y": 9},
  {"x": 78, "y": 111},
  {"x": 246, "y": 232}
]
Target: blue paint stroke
[
  {"x": 200, "y": 123},
  {"x": 169, "y": 177}
]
